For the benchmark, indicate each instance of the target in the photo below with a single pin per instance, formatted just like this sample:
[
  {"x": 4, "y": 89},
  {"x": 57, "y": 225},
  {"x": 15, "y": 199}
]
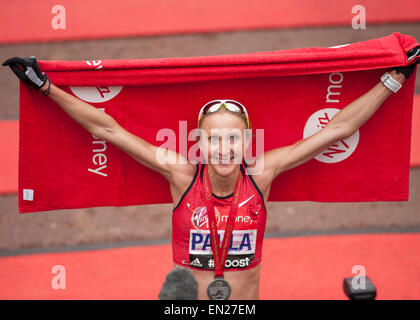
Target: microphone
[{"x": 180, "y": 284}]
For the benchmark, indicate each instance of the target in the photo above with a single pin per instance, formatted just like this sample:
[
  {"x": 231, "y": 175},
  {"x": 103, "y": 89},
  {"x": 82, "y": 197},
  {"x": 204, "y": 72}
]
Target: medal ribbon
[{"x": 220, "y": 253}]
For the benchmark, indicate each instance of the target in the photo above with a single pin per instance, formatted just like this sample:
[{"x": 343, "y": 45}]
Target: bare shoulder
[
  {"x": 181, "y": 175},
  {"x": 262, "y": 174}
]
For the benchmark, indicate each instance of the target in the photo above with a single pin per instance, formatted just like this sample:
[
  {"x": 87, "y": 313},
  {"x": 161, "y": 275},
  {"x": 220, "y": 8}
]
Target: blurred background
[{"x": 95, "y": 30}]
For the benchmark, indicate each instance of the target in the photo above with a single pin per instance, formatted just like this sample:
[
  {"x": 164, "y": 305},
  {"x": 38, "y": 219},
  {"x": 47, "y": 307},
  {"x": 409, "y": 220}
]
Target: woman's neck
[{"x": 220, "y": 185}]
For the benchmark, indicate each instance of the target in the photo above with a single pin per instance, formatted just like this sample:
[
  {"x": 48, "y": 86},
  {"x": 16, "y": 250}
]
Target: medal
[{"x": 219, "y": 288}]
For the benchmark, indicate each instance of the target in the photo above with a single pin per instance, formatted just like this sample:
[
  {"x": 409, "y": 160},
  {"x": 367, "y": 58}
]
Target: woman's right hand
[{"x": 27, "y": 70}]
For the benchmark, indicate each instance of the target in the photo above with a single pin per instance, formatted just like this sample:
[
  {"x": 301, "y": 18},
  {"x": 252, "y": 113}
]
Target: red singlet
[{"x": 191, "y": 244}]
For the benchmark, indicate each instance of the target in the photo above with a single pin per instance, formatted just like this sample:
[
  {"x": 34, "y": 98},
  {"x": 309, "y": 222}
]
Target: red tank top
[{"x": 191, "y": 244}]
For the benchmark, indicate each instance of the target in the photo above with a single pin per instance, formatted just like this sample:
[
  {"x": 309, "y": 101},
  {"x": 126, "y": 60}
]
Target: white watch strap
[{"x": 390, "y": 82}]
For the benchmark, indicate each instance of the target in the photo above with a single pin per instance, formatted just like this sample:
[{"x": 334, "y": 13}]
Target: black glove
[
  {"x": 408, "y": 70},
  {"x": 27, "y": 70}
]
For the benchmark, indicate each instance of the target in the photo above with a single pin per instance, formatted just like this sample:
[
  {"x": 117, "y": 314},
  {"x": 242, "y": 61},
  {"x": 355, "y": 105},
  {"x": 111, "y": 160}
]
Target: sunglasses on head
[{"x": 230, "y": 105}]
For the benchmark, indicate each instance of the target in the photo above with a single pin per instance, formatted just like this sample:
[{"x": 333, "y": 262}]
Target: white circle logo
[
  {"x": 338, "y": 151},
  {"x": 96, "y": 94}
]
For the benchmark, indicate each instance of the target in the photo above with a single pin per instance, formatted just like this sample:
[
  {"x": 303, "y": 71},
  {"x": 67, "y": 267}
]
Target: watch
[{"x": 390, "y": 82}]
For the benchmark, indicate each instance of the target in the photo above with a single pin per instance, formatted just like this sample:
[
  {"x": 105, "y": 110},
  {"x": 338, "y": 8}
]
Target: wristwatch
[{"x": 390, "y": 82}]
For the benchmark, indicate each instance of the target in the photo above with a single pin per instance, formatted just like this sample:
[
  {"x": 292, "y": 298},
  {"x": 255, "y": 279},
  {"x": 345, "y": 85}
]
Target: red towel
[{"x": 287, "y": 93}]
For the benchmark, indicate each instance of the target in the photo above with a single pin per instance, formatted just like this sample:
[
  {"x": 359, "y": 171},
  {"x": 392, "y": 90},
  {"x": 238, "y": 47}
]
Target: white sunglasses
[{"x": 230, "y": 105}]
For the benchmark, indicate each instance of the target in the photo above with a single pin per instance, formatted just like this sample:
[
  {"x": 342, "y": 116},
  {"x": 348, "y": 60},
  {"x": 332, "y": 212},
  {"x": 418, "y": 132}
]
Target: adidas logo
[{"x": 196, "y": 262}]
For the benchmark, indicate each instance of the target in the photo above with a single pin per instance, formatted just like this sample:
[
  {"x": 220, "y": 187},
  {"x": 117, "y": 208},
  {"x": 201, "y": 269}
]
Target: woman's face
[{"x": 222, "y": 141}]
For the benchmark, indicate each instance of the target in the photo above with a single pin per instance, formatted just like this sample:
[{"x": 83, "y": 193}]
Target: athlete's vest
[{"x": 191, "y": 245}]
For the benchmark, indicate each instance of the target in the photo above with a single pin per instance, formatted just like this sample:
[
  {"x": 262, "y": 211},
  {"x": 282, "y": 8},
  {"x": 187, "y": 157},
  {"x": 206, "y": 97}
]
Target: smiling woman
[
  {"x": 233, "y": 212},
  {"x": 228, "y": 202}
]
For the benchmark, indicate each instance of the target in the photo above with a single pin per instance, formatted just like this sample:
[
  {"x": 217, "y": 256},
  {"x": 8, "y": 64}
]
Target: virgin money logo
[
  {"x": 338, "y": 151},
  {"x": 199, "y": 217},
  {"x": 97, "y": 94}
]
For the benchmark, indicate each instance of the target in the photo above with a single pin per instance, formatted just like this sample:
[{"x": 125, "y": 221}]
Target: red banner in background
[
  {"x": 73, "y": 19},
  {"x": 289, "y": 94}
]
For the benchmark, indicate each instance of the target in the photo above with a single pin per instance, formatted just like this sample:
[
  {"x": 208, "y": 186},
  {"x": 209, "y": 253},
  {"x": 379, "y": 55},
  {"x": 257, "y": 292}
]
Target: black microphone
[
  {"x": 364, "y": 290},
  {"x": 180, "y": 284}
]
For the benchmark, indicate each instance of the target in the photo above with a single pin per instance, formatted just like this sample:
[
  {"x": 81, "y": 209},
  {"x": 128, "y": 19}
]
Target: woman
[{"x": 217, "y": 197}]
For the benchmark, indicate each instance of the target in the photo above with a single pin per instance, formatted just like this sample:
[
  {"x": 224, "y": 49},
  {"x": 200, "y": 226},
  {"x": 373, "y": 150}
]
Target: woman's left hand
[{"x": 408, "y": 70}]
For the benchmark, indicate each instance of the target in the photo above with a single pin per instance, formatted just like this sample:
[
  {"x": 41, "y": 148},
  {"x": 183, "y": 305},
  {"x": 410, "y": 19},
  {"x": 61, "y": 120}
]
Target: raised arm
[
  {"x": 105, "y": 127},
  {"x": 341, "y": 126},
  {"x": 100, "y": 124}
]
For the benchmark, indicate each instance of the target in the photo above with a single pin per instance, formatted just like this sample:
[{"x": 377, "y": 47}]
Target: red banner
[
  {"x": 50, "y": 20},
  {"x": 289, "y": 94}
]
